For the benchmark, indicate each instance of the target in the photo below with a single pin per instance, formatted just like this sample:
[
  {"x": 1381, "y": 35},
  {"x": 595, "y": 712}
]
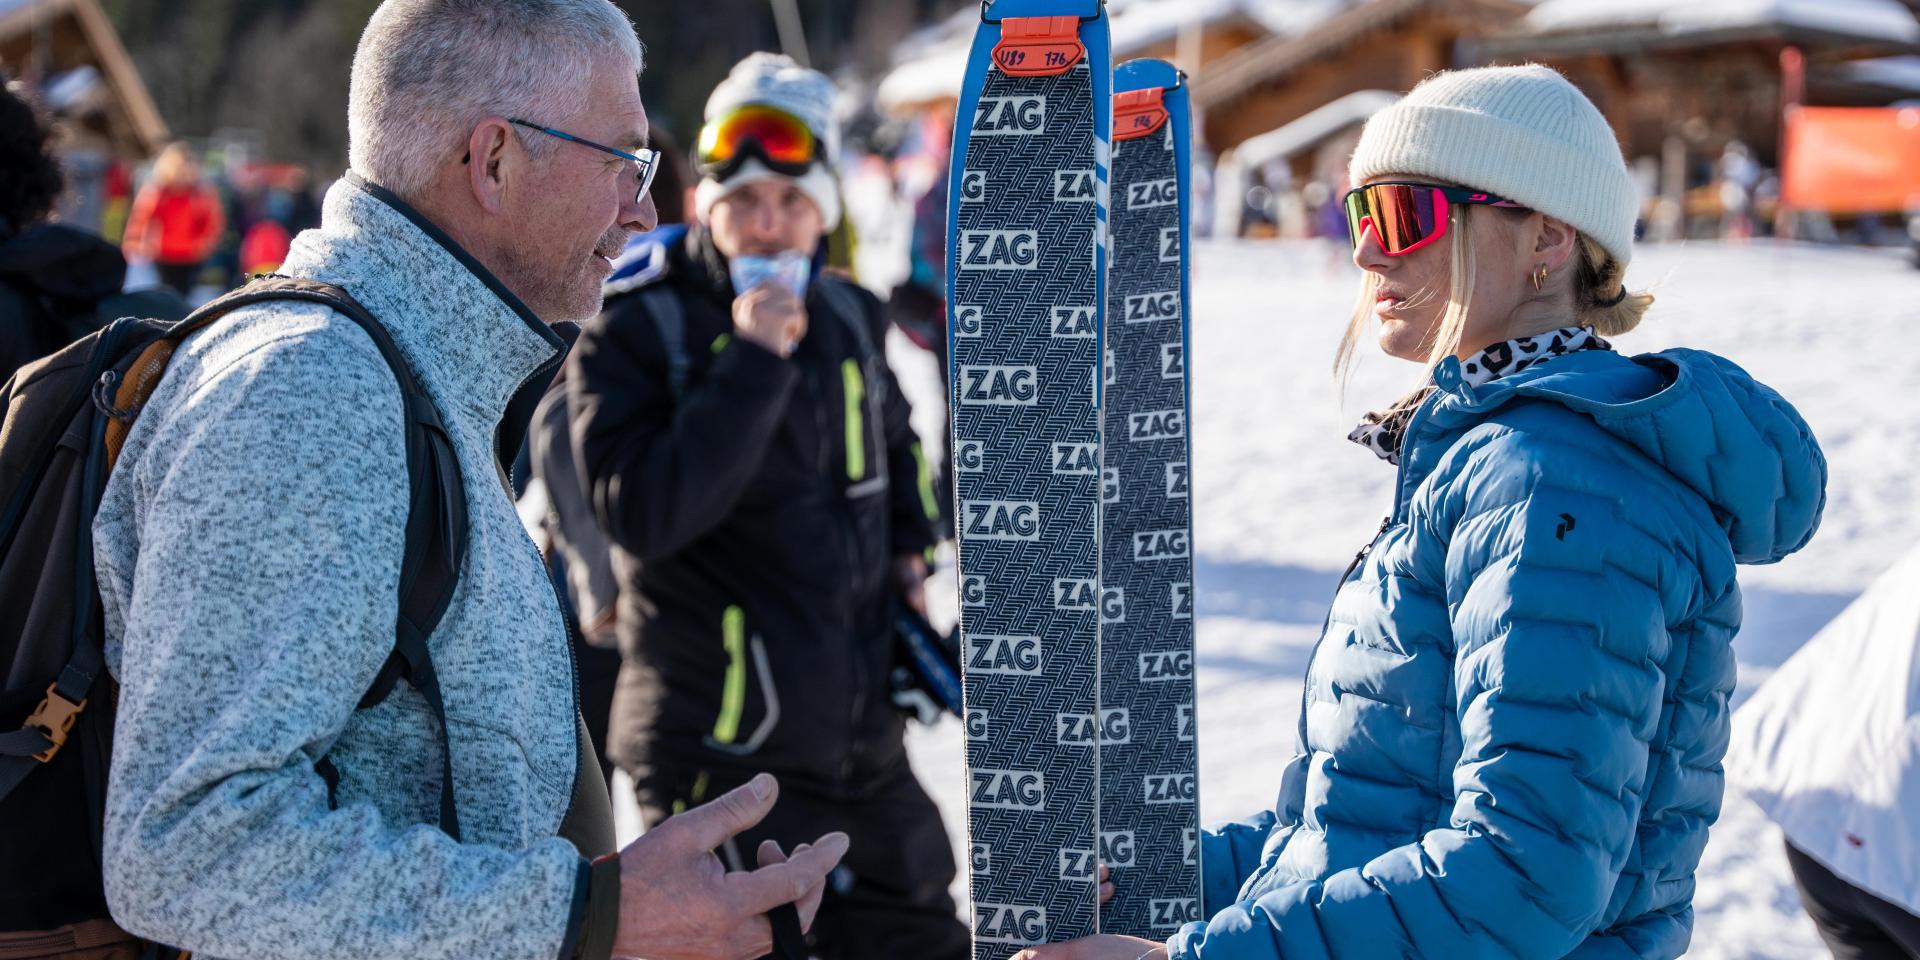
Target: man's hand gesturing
[{"x": 678, "y": 902}]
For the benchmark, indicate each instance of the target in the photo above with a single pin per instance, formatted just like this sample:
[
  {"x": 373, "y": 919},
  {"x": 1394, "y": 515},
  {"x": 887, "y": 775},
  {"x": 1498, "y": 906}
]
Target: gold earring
[{"x": 1540, "y": 277}]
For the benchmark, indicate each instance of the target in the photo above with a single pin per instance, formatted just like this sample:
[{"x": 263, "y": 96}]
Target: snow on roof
[
  {"x": 1869, "y": 19},
  {"x": 1350, "y": 110},
  {"x": 1895, "y": 73},
  {"x": 1142, "y": 23},
  {"x": 935, "y": 75},
  {"x": 1291, "y": 17},
  {"x": 955, "y": 29}
]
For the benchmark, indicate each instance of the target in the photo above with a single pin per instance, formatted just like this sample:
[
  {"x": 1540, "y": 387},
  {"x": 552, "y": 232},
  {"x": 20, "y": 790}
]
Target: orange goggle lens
[
  {"x": 1405, "y": 217},
  {"x": 1409, "y": 216},
  {"x": 780, "y": 138}
]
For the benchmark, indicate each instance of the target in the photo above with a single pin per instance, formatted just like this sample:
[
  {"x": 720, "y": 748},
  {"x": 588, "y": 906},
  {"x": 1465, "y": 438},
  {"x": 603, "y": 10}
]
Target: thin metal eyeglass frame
[{"x": 648, "y": 160}]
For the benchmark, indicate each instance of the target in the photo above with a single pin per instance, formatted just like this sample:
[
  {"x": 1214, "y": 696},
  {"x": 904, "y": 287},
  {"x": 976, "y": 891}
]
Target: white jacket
[{"x": 1830, "y": 745}]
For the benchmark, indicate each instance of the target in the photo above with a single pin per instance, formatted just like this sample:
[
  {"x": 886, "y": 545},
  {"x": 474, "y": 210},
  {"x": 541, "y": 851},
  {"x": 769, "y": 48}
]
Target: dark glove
[{"x": 925, "y": 680}]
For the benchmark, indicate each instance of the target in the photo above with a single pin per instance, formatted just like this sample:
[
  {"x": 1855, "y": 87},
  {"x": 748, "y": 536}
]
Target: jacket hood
[
  {"x": 63, "y": 262},
  {"x": 1733, "y": 440}
]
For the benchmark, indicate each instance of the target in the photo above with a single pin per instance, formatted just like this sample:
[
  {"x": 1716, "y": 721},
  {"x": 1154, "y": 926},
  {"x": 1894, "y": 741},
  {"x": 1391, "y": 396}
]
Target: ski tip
[
  {"x": 997, "y": 12},
  {"x": 1146, "y": 72}
]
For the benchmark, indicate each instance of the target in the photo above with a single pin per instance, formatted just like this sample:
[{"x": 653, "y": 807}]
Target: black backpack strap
[
  {"x": 670, "y": 321},
  {"x": 45, "y": 732},
  {"x": 436, "y": 513},
  {"x": 436, "y": 526}
]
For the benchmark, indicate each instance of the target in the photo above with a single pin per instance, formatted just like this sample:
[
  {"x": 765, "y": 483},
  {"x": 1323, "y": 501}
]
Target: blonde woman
[
  {"x": 176, "y": 220},
  {"x": 1513, "y": 724}
]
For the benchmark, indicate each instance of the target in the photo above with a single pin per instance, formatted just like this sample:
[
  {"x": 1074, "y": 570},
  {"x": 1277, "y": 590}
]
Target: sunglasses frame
[
  {"x": 753, "y": 148},
  {"x": 1444, "y": 198}
]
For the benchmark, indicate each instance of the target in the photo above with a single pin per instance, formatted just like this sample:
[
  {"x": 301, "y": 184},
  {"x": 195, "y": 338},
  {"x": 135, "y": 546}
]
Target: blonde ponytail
[{"x": 1601, "y": 299}]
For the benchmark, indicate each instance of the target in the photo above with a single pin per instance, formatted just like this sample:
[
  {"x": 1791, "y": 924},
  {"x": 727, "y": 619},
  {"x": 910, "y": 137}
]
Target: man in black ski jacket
[
  {"x": 57, "y": 283},
  {"x": 743, "y": 443}
]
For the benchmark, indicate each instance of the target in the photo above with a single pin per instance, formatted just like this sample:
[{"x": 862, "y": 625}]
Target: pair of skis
[{"x": 1069, "y": 401}]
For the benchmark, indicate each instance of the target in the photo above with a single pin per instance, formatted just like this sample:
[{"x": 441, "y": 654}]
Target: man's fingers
[
  {"x": 770, "y": 854},
  {"x": 773, "y": 885},
  {"x": 809, "y": 905},
  {"x": 706, "y": 827},
  {"x": 793, "y": 881}
]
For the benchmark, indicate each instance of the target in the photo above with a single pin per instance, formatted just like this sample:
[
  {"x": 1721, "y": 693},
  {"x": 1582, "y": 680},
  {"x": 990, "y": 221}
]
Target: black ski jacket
[
  {"x": 755, "y": 513},
  {"x": 58, "y": 284}
]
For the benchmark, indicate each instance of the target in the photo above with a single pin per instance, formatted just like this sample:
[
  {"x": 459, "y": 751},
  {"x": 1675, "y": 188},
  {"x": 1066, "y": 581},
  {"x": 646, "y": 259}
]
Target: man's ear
[
  {"x": 1555, "y": 243},
  {"x": 491, "y": 162}
]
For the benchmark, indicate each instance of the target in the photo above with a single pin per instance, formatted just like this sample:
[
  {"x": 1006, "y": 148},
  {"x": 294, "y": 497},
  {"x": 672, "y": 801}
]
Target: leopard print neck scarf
[{"x": 1383, "y": 432}]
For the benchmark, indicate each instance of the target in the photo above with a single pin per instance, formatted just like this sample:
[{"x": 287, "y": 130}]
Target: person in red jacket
[{"x": 176, "y": 219}]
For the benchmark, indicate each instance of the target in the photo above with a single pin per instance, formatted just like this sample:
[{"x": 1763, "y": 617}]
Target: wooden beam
[{"x": 118, "y": 68}]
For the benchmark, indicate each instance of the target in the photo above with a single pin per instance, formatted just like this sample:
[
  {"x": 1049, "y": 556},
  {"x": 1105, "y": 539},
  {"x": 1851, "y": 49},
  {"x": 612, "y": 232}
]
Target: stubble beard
[{"x": 571, "y": 293}]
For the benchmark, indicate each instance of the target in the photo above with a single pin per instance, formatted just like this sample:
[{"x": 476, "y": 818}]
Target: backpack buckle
[{"x": 54, "y": 718}]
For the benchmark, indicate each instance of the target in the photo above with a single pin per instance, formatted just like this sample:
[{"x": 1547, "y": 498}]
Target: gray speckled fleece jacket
[{"x": 249, "y": 547}]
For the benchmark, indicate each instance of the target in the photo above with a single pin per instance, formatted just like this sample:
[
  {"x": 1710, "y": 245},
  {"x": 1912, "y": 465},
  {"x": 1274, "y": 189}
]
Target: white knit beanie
[
  {"x": 1523, "y": 133},
  {"x": 776, "y": 80}
]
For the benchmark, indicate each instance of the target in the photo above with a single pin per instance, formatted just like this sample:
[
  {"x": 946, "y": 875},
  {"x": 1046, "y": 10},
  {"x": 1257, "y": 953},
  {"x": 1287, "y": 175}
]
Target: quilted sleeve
[
  {"x": 1555, "y": 576},
  {"x": 1229, "y": 853}
]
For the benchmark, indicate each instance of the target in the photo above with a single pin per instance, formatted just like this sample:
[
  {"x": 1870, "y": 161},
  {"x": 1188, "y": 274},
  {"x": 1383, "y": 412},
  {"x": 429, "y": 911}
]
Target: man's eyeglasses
[{"x": 646, "y": 161}]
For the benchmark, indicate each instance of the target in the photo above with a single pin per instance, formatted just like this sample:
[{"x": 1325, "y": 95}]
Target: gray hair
[{"x": 427, "y": 71}]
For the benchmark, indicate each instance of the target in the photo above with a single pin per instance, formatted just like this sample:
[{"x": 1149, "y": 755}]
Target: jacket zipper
[
  {"x": 568, "y": 627},
  {"x": 504, "y": 468},
  {"x": 857, "y": 703},
  {"x": 1399, "y": 478},
  {"x": 1365, "y": 551},
  {"x": 573, "y": 670}
]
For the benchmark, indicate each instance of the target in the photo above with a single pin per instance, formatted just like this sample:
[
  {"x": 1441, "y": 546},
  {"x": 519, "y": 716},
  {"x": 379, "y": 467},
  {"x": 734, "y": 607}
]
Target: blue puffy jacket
[{"x": 1513, "y": 723}]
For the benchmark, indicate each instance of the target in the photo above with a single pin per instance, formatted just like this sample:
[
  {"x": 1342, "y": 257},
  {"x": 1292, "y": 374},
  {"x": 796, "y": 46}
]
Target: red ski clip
[
  {"x": 1139, "y": 113},
  {"x": 1038, "y": 46}
]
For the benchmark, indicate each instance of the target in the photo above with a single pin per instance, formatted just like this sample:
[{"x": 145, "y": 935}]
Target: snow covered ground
[{"x": 1282, "y": 500}]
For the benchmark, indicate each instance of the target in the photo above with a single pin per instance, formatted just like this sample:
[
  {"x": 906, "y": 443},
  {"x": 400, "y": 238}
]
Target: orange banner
[{"x": 1851, "y": 159}]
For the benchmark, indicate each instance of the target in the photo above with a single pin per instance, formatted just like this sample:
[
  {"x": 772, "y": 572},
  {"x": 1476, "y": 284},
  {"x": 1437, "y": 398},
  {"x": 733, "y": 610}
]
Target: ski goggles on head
[
  {"x": 1408, "y": 216},
  {"x": 779, "y": 139}
]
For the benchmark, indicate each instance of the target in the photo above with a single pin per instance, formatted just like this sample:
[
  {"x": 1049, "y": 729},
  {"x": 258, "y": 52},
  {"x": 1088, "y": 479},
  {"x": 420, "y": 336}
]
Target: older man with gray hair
[{"x": 249, "y": 548}]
